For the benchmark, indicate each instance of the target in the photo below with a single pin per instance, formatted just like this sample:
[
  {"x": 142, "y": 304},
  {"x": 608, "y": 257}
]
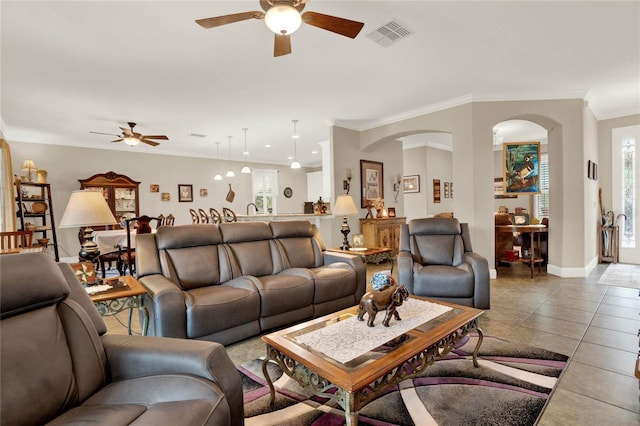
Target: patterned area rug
[
  {"x": 511, "y": 386},
  {"x": 621, "y": 275}
]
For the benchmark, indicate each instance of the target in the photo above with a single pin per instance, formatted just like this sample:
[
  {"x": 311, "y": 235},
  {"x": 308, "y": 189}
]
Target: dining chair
[
  {"x": 204, "y": 217},
  {"x": 161, "y": 220},
  {"x": 16, "y": 239},
  {"x": 229, "y": 215},
  {"x": 127, "y": 255},
  {"x": 216, "y": 217},
  {"x": 169, "y": 221},
  {"x": 195, "y": 218}
]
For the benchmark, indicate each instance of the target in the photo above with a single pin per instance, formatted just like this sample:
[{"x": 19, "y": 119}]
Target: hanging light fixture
[
  {"x": 218, "y": 176},
  {"x": 295, "y": 164},
  {"x": 282, "y": 19},
  {"x": 230, "y": 172},
  {"x": 246, "y": 168}
]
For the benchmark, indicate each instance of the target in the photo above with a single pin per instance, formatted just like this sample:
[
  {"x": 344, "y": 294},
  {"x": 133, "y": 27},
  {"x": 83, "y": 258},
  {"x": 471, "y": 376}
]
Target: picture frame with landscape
[{"x": 371, "y": 178}]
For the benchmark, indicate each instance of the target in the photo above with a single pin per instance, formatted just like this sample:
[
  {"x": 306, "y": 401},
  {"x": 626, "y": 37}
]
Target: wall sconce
[
  {"x": 396, "y": 185},
  {"x": 346, "y": 184}
]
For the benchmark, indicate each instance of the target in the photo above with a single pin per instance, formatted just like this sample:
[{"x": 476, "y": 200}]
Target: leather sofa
[
  {"x": 436, "y": 260},
  {"x": 230, "y": 281},
  {"x": 59, "y": 367}
]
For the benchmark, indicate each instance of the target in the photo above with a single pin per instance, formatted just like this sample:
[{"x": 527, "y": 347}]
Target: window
[
  {"x": 541, "y": 201},
  {"x": 628, "y": 160},
  {"x": 265, "y": 188}
]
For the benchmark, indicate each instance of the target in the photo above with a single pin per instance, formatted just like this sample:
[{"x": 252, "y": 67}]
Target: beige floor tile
[
  {"x": 606, "y": 386},
  {"x": 541, "y": 339},
  {"x": 622, "y": 292},
  {"x": 619, "y": 311},
  {"x": 573, "y": 303},
  {"x": 569, "y": 408},
  {"x": 616, "y": 323},
  {"x": 569, "y": 329},
  {"x": 565, "y": 313},
  {"x": 607, "y": 358},
  {"x": 627, "y": 302},
  {"x": 612, "y": 339}
]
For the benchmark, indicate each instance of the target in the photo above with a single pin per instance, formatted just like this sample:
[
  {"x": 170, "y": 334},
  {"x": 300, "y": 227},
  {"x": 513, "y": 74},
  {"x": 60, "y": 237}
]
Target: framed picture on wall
[
  {"x": 371, "y": 179},
  {"x": 521, "y": 161},
  {"x": 411, "y": 184},
  {"x": 185, "y": 193}
]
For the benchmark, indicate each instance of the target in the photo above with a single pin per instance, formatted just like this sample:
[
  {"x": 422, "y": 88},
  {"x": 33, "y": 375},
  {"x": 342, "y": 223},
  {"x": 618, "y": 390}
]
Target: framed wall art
[
  {"x": 446, "y": 190},
  {"x": 411, "y": 184},
  {"x": 436, "y": 190},
  {"x": 165, "y": 196},
  {"x": 154, "y": 187},
  {"x": 204, "y": 192},
  {"x": 520, "y": 162},
  {"x": 371, "y": 178},
  {"x": 185, "y": 193}
]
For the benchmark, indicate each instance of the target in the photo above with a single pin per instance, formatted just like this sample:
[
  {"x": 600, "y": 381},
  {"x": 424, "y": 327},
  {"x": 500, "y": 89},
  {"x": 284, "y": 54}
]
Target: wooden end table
[
  {"x": 353, "y": 384},
  {"x": 370, "y": 254},
  {"x": 126, "y": 293}
]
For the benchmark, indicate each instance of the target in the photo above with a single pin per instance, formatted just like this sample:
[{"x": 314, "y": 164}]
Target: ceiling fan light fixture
[
  {"x": 283, "y": 19},
  {"x": 131, "y": 141}
]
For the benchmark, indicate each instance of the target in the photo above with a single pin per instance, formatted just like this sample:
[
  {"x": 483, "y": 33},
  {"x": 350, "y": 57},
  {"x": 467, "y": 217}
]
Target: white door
[{"x": 626, "y": 190}]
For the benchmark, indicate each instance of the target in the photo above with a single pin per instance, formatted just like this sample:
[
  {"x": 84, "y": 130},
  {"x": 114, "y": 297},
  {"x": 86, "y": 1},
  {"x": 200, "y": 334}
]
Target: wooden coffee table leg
[
  {"x": 477, "y": 348},
  {"x": 265, "y": 373}
]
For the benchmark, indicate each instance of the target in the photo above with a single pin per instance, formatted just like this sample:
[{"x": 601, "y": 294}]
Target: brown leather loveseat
[
  {"x": 60, "y": 368},
  {"x": 226, "y": 282}
]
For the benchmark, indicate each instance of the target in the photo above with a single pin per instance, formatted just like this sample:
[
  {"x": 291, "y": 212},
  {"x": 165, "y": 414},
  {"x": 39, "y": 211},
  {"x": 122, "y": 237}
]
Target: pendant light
[
  {"x": 295, "y": 164},
  {"x": 230, "y": 173},
  {"x": 246, "y": 168},
  {"x": 218, "y": 176}
]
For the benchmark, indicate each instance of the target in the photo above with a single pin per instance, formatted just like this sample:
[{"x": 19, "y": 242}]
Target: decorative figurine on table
[{"x": 386, "y": 295}]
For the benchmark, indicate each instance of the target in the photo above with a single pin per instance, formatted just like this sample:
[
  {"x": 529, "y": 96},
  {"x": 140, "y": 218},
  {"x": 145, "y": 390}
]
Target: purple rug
[{"x": 511, "y": 387}]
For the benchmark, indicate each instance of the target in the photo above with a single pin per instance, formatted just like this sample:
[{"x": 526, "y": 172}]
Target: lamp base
[
  {"x": 88, "y": 249},
  {"x": 345, "y": 230}
]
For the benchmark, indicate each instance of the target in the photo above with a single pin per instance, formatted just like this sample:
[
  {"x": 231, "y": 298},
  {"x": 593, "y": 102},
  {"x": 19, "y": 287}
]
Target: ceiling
[{"x": 71, "y": 67}]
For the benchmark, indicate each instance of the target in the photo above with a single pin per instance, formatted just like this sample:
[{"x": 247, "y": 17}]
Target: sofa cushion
[
  {"x": 443, "y": 281},
  {"x": 286, "y": 291},
  {"x": 334, "y": 281},
  {"x": 158, "y": 400},
  {"x": 253, "y": 258},
  {"x": 215, "y": 308},
  {"x": 435, "y": 249},
  {"x": 188, "y": 236},
  {"x": 191, "y": 267}
]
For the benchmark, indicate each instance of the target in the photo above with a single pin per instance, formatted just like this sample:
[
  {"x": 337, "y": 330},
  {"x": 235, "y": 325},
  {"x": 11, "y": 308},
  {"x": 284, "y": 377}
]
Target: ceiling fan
[
  {"x": 284, "y": 17},
  {"x": 132, "y": 138}
]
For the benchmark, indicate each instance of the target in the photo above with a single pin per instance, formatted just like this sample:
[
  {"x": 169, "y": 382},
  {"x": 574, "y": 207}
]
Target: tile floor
[{"x": 597, "y": 325}]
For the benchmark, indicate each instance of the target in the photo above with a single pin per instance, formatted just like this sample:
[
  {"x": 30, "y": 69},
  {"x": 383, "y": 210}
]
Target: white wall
[{"x": 65, "y": 165}]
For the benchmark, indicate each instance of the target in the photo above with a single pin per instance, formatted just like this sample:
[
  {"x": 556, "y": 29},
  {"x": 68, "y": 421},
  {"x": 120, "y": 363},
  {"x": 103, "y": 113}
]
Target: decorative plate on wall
[{"x": 288, "y": 192}]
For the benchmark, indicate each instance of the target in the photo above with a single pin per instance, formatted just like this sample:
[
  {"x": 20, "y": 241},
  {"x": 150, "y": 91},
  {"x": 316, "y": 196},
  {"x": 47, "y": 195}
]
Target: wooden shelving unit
[{"x": 35, "y": 206}]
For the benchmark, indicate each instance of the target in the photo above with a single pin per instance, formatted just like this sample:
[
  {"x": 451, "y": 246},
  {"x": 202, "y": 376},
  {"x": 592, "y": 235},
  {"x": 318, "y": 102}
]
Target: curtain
[{"x": 8, "y": 210}]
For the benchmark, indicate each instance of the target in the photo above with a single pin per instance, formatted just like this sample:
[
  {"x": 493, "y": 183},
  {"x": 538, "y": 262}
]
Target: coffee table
[
  {"x": 362, "y": 379},
  {"x": 126, "y": 293}
]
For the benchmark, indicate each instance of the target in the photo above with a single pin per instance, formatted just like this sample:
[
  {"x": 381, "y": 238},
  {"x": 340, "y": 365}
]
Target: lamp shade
[
  {"x": 28, "y": 165},
  {"x": 86, "y": 208},
  {"x": 345, "y": 206}
]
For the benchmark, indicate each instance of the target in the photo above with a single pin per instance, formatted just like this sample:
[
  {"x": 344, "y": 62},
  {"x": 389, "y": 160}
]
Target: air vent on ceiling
[
  {"x": 389, "y": 34},
  {"x": 197, "y": 135}
]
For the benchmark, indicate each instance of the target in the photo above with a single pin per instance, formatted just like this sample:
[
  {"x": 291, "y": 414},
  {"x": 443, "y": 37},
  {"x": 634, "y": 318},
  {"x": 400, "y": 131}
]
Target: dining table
[
  {"x": 109, "y": 240},
  {"x": 18, "y": 250}
]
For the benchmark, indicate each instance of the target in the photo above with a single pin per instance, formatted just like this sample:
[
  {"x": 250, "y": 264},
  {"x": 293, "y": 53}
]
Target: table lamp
[
  {"x": 345, "y": 206},
  {"x": 29, "y": 166},
  {"x": 86, "y": 209}
]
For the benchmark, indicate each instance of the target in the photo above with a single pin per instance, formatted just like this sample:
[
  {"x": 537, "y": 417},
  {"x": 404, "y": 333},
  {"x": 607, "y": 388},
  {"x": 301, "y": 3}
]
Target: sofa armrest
[
  {"x": 137, "y": 356},
  {"x": 405, "y": 270},
  {"x": 356, "y": 262},
  {"x": 166, "y": 305},
  {"x": 482, "y": 283}
]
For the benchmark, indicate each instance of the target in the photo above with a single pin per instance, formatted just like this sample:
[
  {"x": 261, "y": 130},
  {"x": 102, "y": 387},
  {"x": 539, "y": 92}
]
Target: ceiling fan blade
[
  {"x": 282, "y": 45},
  {"x": 228, "y": 19},
  {"x": 345, "y": 27},
  {"x": 108, "y": 134},
  {"x": 118, "y": 140},
  {"x": 163, "y": 137},
  {"x": 127, "y": 132},
  {"x": 148, "y": 142}
]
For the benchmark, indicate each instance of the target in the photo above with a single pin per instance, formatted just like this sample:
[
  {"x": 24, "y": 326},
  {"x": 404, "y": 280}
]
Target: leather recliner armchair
[
  {"x": 436, "y": 260},
  {"x": 59, "y": 367}
]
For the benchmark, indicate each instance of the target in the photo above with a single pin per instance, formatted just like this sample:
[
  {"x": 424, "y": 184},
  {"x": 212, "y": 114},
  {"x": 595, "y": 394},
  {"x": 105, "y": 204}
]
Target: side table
[
  {"x": 126, "y": 294},
  {"x": 369, "y": 255}
]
